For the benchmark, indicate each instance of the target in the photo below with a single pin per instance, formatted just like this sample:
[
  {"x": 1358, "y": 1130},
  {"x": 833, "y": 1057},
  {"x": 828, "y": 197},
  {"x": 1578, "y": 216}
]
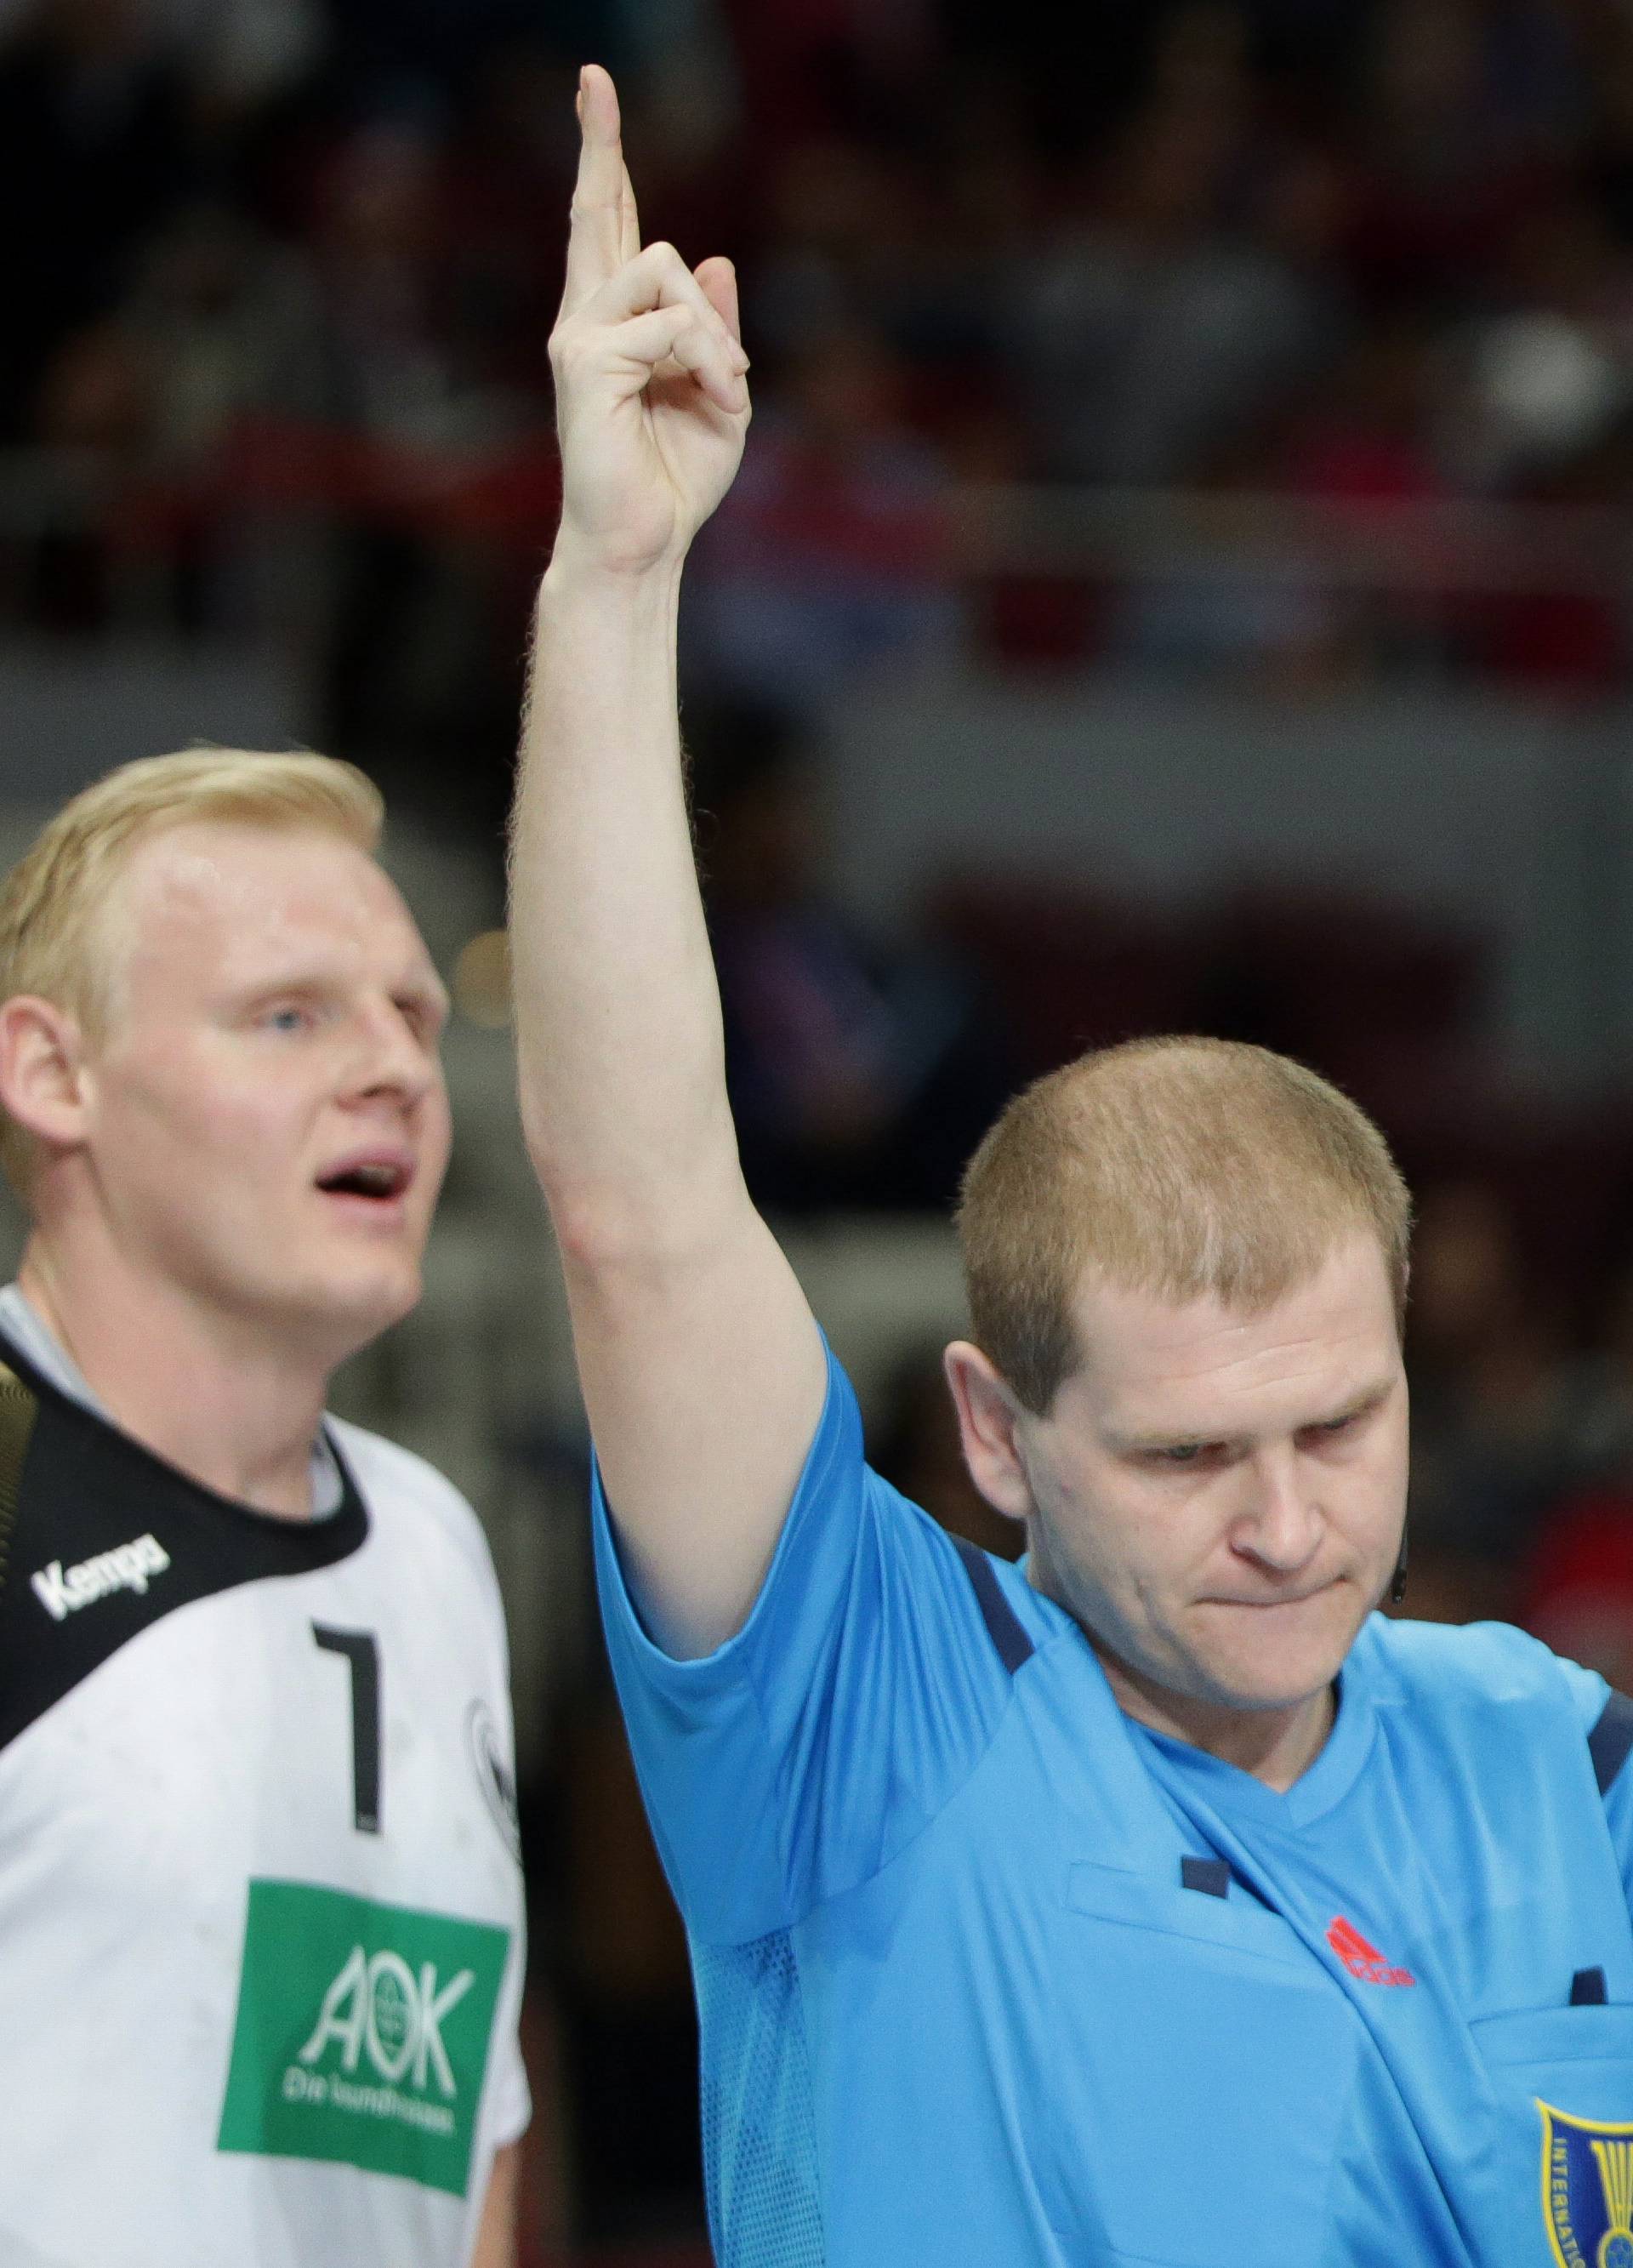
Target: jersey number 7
[{"x": 361, "y": 1649}]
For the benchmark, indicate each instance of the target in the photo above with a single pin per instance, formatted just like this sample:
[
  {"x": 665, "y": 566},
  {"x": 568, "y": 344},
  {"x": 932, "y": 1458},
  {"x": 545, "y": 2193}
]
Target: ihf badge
[{"x": 1587, "y": 2190}]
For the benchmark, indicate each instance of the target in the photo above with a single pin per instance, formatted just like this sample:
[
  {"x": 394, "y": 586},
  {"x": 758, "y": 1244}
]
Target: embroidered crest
[
  {"x": 498, "y": 1783},
  {"x": 1587, "y": 2189}
]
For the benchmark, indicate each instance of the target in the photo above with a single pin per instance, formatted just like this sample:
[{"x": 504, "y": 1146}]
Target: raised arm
[{"x": 699, "y": 1363}]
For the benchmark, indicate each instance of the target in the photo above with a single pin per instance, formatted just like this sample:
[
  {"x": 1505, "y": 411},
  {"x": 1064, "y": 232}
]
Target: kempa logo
[
  {"x": 63, "y": 1591},
  {"x": 378, "y": 2006}
]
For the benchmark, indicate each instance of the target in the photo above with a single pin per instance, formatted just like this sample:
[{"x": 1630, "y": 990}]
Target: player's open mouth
[{"x": 376, "y": 1180}]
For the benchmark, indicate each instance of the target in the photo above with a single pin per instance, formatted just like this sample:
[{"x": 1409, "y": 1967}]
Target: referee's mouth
[{"x": 1276, "y": 1598}]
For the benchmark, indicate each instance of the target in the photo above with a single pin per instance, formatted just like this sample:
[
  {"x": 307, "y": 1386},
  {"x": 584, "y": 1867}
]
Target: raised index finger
[{"x": 595, "y": 240}]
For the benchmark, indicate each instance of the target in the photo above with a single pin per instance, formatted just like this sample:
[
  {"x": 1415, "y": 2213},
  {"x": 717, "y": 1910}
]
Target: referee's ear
[
  {"x": 989, "y": 1417},
  {"x": 41, "y": 1067}
]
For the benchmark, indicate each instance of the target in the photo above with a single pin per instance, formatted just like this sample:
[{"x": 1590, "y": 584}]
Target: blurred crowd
[
  {"x": 282, "y": 271},
  {"x": 1314, "y": 318}
]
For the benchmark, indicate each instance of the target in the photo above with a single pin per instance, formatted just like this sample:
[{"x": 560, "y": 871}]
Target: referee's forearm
[{"x": 617, "y": 1008}]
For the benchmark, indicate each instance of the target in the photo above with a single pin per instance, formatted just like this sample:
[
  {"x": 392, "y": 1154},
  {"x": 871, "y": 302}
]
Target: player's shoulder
[
  {"x": 1445, "y": 1666},
  {"x": 407, "y": 1496}
]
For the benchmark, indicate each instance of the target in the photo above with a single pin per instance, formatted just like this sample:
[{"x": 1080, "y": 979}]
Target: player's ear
[
  {"x": 41, "y": 1070},
  {"x": 989, "y": 1416}
]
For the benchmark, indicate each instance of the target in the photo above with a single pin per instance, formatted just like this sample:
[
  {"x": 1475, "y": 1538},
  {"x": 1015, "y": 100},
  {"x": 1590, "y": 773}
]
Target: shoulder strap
[
  {"x": 1608, "y": 1743},
  {"x": 18, "y": 1409},
  {"x": 1003, "y": 1624}
]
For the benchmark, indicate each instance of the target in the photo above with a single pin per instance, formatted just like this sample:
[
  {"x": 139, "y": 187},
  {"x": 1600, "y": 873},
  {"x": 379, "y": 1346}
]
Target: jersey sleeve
[
  {"x": 512, "y": 2097},
  {"x": 1604, "y": 1712},
  {"x": 797, "y": 1760}
]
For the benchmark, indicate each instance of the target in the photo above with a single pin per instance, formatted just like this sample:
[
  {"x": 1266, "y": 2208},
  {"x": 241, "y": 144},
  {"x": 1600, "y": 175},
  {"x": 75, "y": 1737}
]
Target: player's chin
[
  {"x": 394, "y": 1290},
  {"x": 361, "y": 1302}
]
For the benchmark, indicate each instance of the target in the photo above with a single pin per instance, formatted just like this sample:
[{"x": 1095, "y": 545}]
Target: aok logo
[
  {"x": 379, "y": 2007},
  {"x": 362, "y": 2033}
]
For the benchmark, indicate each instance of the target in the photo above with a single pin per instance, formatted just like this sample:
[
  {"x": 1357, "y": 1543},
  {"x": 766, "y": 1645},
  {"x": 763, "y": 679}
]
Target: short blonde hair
[
  {"x": 1181, "y": 1167},
  {"x": 51, "y": 933}
]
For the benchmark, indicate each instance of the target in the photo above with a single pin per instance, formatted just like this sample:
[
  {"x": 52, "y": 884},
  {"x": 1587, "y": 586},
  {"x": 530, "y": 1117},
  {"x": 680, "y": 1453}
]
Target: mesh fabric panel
[{"x": 759, "y": 2145}]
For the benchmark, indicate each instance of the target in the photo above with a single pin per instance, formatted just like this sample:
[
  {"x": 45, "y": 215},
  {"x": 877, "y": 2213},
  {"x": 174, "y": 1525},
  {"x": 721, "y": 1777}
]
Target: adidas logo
[
  {"x": 1361, "y": 1959},
  {"x": 63, "y": 1591}
]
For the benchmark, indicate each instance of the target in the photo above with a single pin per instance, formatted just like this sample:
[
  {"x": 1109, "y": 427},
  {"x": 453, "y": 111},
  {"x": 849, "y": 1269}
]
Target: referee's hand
[{"x": 650, "y": 402}]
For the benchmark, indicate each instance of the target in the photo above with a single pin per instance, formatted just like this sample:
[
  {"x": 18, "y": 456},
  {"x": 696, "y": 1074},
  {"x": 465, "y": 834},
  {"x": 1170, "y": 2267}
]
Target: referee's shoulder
[{"x": 1474, "y": 1663}]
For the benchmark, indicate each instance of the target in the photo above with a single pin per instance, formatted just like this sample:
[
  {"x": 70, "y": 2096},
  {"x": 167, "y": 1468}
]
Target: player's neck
[
  {"x": 211, "y": 1393},
  {"x": 1276, "y": 1746}
]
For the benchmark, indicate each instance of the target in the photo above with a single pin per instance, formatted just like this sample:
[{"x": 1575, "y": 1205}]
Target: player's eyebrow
[
  {"x": 1358, "y": 1405},
  {"x": 422, "y": 986},
  {"x": 426, "y": 990}
]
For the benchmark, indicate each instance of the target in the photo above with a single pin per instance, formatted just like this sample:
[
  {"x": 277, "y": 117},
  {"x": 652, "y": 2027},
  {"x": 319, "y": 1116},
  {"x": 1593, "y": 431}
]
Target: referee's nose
[{"x": 1280, "y": 1524}]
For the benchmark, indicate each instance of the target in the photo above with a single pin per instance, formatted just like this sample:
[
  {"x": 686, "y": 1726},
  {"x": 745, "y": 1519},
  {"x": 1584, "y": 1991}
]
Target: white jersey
[{"x": 260, "y": 1906}]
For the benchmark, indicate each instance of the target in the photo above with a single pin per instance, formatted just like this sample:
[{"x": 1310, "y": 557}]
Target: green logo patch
[{"x": 363, "y": 2033}]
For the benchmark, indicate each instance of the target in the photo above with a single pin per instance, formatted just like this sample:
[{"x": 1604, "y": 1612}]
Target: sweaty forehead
[{"x": 210, "y": 904}]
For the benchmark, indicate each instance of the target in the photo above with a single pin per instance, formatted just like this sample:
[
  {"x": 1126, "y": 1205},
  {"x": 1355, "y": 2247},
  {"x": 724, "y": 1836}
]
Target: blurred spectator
[
  {"x": 839, "y": 236},
  {"x": 828, "y": 557},
  {"x": 1451, "y": 146},
  {"x": 507, "y": 156},
  {"x": 1368, "y": 437},
  {"x": 1367, "y": 445},
  {"x": 412, "y": 355},
  {"x": 812, "y": 65},
  {"x": 913, "y": 245},
  {"x": 630, "y": 2039},
  {"x": 682, "y": 70},
  {"x": 421, "y": 660},
  {"x": 1498, "y": 1429},
  {"x": 1576, "y": 1590},
  {"x": 1549, "y": 365},
  {"x": 1607, "y": 171},
  {"x": 97, "y": 147},
  {"x": 860, "y": 1074},
  {"x": 1179, "y": 323},
  {"x": 1147, "y": 334},
  {"x": 409, "y": 56},
  {"x": 220, "y": 323},
  {"x": 243, "y": 52}
]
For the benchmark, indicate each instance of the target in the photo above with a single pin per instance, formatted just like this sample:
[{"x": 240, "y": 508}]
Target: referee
[
  {"x": 261, "y": 1908},
  {"x": 1157, "y": 1903}
]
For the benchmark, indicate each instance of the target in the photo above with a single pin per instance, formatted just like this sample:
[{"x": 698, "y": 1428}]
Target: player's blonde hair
[
  {"x": 55, "y": 940},
  {"x": 1181, "y": 1167}
]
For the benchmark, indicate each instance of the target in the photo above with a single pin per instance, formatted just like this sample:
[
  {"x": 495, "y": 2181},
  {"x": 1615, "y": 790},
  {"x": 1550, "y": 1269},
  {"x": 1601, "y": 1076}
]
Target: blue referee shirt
[{"x": 988, "y": 1974}]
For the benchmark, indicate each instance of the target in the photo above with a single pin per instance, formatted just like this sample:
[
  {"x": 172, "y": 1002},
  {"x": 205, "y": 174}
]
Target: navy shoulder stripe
[
  {"x": 1002, "y": 1622},
  {"x": 1610, "y": 1739}
]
